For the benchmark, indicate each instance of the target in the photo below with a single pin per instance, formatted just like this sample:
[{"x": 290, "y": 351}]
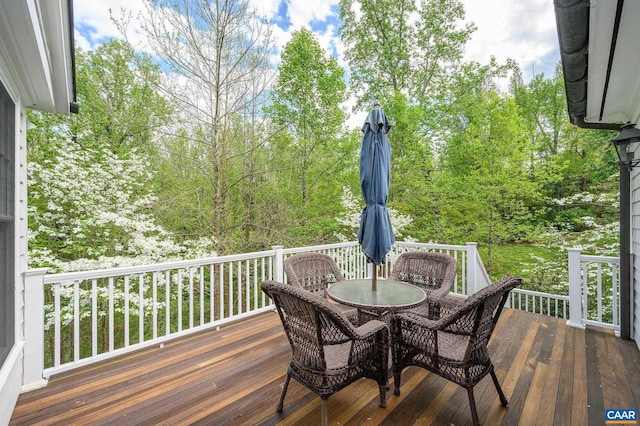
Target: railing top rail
[
  {"x": 131, "y": 270},
  {"x": 432, "y": 246},
  {"x": 540, "y": 294},
  {"x": 603, "y": 259},
  {"x": 319, "y": 247}
]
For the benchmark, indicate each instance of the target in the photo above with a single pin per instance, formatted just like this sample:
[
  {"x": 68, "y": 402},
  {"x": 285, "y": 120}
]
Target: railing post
[
  {"x": 575, "y": 289},
  {"x": 278, "y": 263},
  {"x": 472, "y": 268},
  {"x": 33, "y": 361}
]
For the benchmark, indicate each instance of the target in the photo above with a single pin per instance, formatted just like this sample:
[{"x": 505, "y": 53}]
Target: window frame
[{"x": 7, "y": 223}]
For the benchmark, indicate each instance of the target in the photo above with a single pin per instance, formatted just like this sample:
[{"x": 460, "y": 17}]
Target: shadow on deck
[{"x": 550, "y": 373}]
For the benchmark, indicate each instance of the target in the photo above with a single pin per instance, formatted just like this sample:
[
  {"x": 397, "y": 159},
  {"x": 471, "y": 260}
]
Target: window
[{"x": 7, "y": 255}]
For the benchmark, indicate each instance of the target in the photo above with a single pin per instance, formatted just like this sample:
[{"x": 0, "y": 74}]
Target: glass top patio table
[{"x": 389, "y": 296}]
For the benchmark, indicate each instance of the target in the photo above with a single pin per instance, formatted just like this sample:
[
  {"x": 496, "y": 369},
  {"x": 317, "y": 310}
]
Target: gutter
[
  {"x": 73, "y": 106},
  {"x": 579, "y": 121},
  {"x": 572, "y": 21}
]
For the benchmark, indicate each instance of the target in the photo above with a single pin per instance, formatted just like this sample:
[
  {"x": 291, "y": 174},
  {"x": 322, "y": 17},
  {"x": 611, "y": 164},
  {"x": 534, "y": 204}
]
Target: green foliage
[
  {"x": 90, "y": 199},
  {"x": 542, "y": 268},
  {"x": 120, "y": 106},
  {"x": 88, "y": 209},
  {"x": 311, "y": 159},
  {"x": 400, "y": 45},
  {"x": 483, "y": 171},
  {"x": 217, "y": 159},
  {"x": 226, "y": 153}
]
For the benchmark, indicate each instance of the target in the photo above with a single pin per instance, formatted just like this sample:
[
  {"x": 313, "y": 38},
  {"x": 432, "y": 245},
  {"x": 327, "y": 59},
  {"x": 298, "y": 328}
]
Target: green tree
[
  {"x": 90, "y": 175},
  {"x": 218, "y": 56},
  {"x": 120, "y": 107},
  {"x": 400, "y": 45},
  {"x": 485, "y": 183},
  {"x": 565, "y": 160},
  {"x": 408, "y": 55},
  {"x": 306, "y": 110}
]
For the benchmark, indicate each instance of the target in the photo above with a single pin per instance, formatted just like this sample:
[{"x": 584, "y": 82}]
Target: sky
[{"x": 523, "y": 30}]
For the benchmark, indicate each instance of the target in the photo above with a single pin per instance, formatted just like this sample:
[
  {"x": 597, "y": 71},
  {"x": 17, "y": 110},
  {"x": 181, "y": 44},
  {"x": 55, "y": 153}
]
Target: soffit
[
  {"x": 602, "y": 88},
  {"x": 35, "y": 45}
]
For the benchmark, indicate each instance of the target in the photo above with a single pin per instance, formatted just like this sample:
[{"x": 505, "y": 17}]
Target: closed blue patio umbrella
[{"x": 375, "y": 234}]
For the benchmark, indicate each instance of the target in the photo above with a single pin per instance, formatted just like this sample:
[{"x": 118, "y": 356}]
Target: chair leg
[
  {"x": 396, "y": 382},
  {"x": 325, "y": 414},
  {"x": 394, "y": 360},
  {"x": 472, "y": 403},
  {"x": 284, "y": 391},
  {"x": 503, "y": 399},
  {"x": 383, "y": 395}
]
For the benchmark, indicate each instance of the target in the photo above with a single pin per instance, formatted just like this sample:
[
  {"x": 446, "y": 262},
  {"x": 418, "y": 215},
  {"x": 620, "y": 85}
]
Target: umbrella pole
[{"x": 374, "y": 278}]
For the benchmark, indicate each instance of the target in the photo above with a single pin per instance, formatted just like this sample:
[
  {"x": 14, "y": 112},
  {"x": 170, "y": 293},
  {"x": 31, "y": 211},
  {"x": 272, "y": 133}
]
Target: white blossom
[{"x": 350, "y": 217}]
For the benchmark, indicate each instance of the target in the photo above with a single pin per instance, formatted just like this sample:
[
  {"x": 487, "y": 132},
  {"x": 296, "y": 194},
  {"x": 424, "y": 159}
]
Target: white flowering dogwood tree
[{"x": 95, "y": 208}]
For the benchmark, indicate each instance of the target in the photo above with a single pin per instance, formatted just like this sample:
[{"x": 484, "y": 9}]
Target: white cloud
[
  {"x": 93, "y": 21},
  {"x": 303, "y": 12},
  {"x": 523, "y": 30},
  {"x": 266, "y": 8},
  {"x": 309, "y": 14}
]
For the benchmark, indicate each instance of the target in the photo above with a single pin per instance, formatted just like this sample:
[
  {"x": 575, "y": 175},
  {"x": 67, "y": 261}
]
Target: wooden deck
[{"x": 551, "y": 374}]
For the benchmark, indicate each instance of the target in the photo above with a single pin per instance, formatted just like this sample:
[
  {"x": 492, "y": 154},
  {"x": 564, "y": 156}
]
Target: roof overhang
[
  {"x": 36, "y": 44},
  {"x": 600, "y": 60}
]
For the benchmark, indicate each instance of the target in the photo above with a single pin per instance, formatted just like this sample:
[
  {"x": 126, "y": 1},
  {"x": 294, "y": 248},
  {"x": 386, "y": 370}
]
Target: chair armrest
[
  {"x": 441, "y": 305},
  {"x": 418, "y": 320},
  {"x": 446, "y": 323},
  {"x": 448, "y": 305},
  {"x": 437, "y": 295},
  {"x": 370, "y": 328}
]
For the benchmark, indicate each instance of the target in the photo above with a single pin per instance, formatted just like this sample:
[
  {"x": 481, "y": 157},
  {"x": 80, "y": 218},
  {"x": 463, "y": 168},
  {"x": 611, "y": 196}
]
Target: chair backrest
[
  {"x": 477, "y": 315},
  {"x": 312, "y": 271},
  {"x": 310, "y": 323},
  {"x": 427, "y": 270}
]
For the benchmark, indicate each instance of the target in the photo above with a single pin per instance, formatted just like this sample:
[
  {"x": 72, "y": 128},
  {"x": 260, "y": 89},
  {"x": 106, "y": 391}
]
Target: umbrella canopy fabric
[{"x": 375, "y": 233}]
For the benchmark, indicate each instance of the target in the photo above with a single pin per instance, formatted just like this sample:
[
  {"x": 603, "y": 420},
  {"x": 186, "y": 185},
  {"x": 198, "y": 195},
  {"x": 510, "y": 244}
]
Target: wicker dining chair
[
  {"x": 454, "y": 346},
  {"x": 435, "y": 273},
  {"x": 328, "y": 352},
  {"x": 315, "y": 272}
]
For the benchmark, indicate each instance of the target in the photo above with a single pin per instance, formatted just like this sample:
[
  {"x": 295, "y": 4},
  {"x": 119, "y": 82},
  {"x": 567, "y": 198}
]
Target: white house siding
[
  {"x": 10, "y": 383},
  {"x": 11, "y": 369},
  {"x": 21, "y": 222},
  {"x": 635, "y": 250},
  {"x": 35, "y": 70}
]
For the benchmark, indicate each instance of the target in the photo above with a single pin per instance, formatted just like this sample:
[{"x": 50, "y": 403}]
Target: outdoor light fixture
[{"x": 626, "y": 144}]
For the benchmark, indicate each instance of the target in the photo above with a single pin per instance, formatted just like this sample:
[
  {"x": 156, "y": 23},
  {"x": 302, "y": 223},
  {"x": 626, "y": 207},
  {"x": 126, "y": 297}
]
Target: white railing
[
  {"x": 92, "y": 315},
  {"x": 555, "y": 305},
  {"x": 78, "y": 318},
  {"x": 593, "y": 293},
  {"x": 594, "y": 288},
  {"x": 74, "y": 319}
]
